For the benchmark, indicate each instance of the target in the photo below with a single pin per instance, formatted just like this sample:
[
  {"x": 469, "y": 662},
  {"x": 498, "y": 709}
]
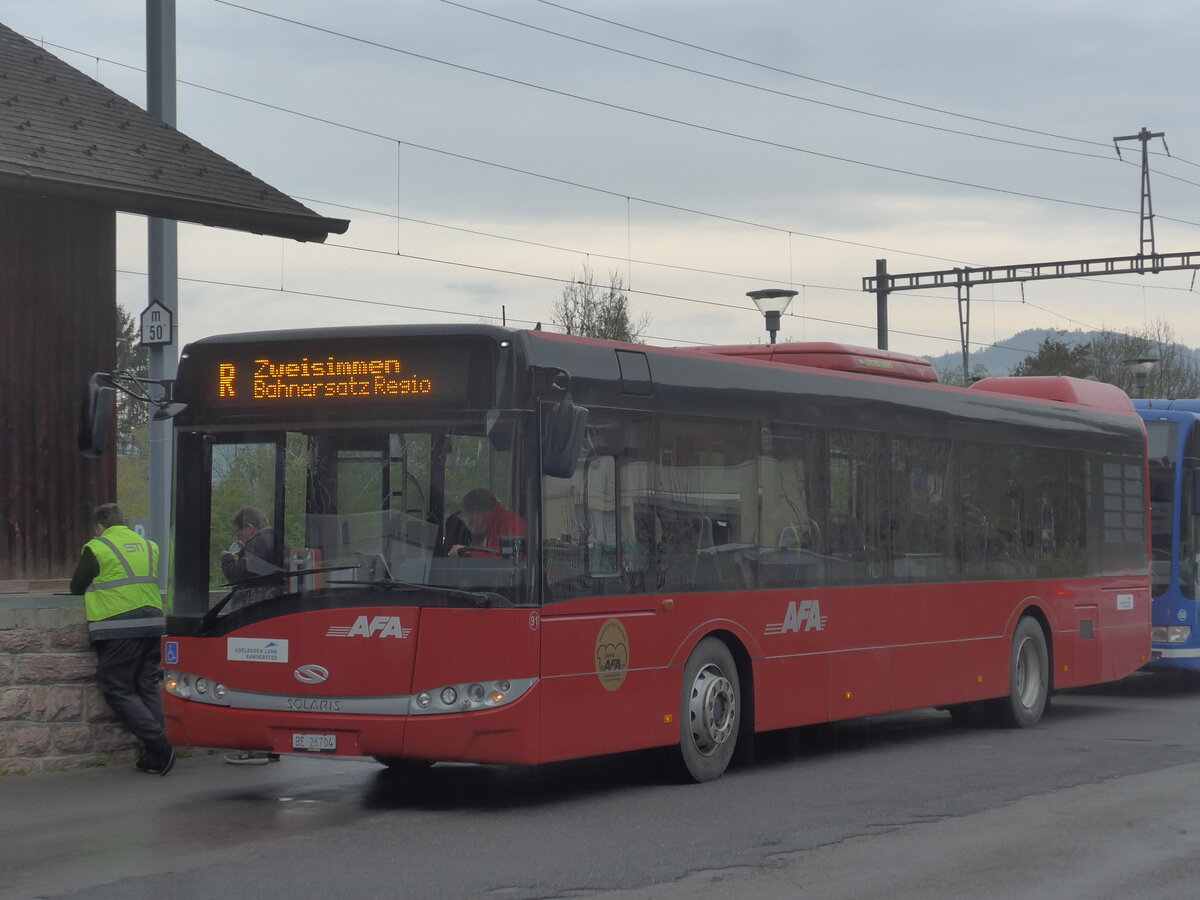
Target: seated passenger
[{"x": 486, "y": 521}]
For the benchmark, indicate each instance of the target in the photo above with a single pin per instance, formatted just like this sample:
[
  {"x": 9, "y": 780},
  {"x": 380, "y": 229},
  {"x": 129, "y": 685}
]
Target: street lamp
[
  {"x": 1140, "y": 366},
  {"x": 772, "y": 303}
]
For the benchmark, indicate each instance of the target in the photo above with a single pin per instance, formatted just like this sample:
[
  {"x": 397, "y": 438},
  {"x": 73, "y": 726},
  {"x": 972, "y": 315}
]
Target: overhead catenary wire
[
  {"x": 781, "y": 71},
  {"x": 627, "y": 197},
  {"x": 681, "y": 122},
  {"x": 702, "y": 213},
  {"x": 769, "y": 90},
  {"x": 441, "y": 310},
  {"x": 517, "y": 170},
  {"x": 616, "y": 193}
]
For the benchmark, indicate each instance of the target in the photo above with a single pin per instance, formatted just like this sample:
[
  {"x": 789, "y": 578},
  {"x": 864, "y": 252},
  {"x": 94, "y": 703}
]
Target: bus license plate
[{"x": 320, "y": 743}]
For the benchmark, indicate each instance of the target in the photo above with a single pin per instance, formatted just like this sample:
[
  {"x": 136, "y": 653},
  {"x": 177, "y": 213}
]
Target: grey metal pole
[
  {"x": 881, "y": 300},
  {"x": 163, "y": 267}
]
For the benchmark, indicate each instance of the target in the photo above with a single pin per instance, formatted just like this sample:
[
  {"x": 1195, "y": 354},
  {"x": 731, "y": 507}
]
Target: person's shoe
[
  {"x": 157, "y": 768},
  {"x": 247, "y": 758}
]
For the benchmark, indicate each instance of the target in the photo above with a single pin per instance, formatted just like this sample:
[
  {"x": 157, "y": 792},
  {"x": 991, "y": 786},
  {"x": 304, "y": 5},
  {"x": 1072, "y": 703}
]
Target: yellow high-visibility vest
[{"x": 128, "y": 581}]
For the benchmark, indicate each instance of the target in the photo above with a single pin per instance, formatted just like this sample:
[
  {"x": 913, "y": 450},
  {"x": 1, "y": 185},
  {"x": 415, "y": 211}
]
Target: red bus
[{"x": 694, "y": 544}]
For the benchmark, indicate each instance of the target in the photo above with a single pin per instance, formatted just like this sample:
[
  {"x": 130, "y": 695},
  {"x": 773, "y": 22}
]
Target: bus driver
[{"x": 487, "y": 522}]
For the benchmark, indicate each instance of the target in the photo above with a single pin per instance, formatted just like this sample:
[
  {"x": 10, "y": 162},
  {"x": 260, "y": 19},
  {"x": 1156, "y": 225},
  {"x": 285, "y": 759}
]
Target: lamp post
[
  {"x": 772, "y": 303},
  {"x": 1141, "y": 367}
]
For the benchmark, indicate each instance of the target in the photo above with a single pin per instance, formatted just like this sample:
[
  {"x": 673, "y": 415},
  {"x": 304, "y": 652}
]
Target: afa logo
[
  {"x": 612, "y": 654},
  {"x": 806, "y": 614},
  {"x": 379, "y": 626}
]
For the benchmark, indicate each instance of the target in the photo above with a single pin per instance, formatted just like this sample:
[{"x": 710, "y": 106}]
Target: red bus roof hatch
[{"x": 842, "y": 357}]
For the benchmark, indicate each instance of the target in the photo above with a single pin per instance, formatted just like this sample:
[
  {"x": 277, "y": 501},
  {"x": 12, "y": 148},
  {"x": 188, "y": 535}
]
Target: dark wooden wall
[{"x": 57, "y": 326}]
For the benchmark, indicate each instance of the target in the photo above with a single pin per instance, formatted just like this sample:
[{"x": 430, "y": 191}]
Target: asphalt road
[{"x": 1100, "y": 800}]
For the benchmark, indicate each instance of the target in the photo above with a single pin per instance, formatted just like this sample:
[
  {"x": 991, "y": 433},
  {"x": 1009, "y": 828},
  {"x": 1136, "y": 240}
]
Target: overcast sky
[{"x": 486, "y": 151}]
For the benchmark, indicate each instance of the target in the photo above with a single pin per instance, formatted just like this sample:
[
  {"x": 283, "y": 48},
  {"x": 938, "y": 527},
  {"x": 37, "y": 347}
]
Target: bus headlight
[
  {"x": 186, "y": 686},
  {"x": 1170, "y": 634},
  {"x": 469, "y": 697}
]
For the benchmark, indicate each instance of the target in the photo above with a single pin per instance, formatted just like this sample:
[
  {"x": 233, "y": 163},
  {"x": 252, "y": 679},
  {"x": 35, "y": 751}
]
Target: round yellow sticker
[{"x": 612, "y": 654}]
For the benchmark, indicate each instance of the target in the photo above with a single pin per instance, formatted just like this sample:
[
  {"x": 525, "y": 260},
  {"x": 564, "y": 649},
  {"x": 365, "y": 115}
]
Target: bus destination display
[{"x": 287, "y": 377}]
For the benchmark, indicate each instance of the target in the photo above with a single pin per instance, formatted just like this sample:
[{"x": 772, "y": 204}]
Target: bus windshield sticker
[{"x": 254, "y": 650}]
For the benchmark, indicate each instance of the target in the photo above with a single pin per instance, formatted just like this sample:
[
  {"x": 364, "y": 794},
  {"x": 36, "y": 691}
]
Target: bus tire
[
  {"x": 710, "y": 712},
  {"x": 1028, "y": 678},
  {"x": 402, "y": 766}
]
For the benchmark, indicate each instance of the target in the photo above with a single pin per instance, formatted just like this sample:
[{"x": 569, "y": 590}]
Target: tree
[
  {"x": 1055, "y": 357},
  {"x": 953, "y": 375},
  {"x": 588, "y": 309},
  {"x": 1175, "y": 374},
  {"x": 132, "y": 357},
  {"x": 133, "y": 428}
]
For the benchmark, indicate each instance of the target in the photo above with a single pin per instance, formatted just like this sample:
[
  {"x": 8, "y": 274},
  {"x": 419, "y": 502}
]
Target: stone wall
[{"x": 52, "y": 716}]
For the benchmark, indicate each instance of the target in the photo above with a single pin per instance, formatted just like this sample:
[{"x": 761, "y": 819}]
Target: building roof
[{"x": 65, "y": 134}]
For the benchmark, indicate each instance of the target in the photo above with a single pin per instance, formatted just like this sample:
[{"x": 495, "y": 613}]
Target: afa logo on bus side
[
  {"x": 804, "y": 615},
  {"x": 612, "y": 654}
]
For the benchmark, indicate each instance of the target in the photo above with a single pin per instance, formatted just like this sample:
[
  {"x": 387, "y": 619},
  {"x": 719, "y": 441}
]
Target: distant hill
[{"x": 1003, "y": 355}]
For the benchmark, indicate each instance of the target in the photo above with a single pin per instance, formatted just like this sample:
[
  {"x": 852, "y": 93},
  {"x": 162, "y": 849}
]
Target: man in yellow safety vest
[{"x": 118, "y": 576}]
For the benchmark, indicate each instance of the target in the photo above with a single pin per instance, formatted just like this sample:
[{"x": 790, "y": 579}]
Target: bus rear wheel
[
  {"x": 1028, "y": 678},
  {"x": 710, "y": 712}
]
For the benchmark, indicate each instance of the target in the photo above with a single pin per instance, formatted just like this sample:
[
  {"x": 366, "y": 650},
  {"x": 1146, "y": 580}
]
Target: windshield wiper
[
  {"x": 255, "y": 581},
  {"x": 479, "y": 598}
]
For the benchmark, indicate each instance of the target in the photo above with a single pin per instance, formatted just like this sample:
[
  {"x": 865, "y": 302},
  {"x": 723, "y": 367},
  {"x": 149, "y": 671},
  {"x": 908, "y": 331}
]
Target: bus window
[
  {"x": 1122, "y": 545},
  {"x": 1189, "y": 538},
  {"x": 856, "y": 507},
  {"x": 791, "y": 538},
  {"x": 266, "y": 475},
  {"x": 598, "y": 523},
  {"x": 706, "y": 502},
  {"x": 989, "y": 522},
  {"x": 1189, "y": 521},
  {"x": 919, "y": 518},
  {"x": 1162, "y": 439}
]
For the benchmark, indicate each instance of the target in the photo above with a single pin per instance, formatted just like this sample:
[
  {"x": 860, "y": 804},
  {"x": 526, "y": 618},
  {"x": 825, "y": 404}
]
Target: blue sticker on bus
[{"x": 172, "y": 652}]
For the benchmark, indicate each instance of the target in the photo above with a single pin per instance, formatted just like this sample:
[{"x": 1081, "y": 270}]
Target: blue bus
[{"x": 1173, "y": 430}]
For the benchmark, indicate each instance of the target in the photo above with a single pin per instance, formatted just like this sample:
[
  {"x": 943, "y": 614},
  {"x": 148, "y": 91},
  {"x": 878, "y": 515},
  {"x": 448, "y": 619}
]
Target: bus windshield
[{"x": 319, "y": 514}]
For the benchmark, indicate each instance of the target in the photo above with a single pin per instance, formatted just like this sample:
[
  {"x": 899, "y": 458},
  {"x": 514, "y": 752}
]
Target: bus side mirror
[
  {"x": 563, "y": 438},
  {"x": 96, "y": 416}
]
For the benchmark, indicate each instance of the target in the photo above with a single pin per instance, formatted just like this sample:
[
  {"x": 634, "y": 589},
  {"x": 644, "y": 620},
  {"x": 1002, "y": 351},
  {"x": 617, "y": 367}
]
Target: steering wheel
[{"x": 466, "y": 551}]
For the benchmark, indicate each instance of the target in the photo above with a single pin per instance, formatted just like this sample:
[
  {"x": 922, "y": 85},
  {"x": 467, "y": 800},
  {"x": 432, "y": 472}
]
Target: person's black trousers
[{"x": 128, "y": 672}]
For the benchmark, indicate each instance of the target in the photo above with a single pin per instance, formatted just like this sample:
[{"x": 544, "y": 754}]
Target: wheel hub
[{"x": 713, "y": 709}]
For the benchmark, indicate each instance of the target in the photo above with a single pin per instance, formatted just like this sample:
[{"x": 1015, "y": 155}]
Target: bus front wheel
[
  {"x": 402, "y": 767},
  {"x": 710, "y": 711},
  {"x": 1028, "y": 677}
]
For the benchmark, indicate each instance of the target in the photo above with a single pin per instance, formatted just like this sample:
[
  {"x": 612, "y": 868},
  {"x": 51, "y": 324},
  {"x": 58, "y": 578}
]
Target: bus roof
[
  {"x": 1181, "y": 405},
  {"x": 1060, "y": 389},
  {"x": 839, "y": 357}
]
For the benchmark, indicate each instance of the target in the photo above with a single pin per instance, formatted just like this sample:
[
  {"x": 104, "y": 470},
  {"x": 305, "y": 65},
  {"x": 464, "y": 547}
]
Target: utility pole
[
  {"x": 881, "y": 300},
  {"x": 883, "y": 284},
  {"x": 1146, "y": 228},
  {"x": 163, "y": 267}
]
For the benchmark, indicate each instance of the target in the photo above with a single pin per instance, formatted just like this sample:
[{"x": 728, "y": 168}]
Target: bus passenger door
[
  {"x": 598, "y": 682},
  {"x": 598, "y": 635}
]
